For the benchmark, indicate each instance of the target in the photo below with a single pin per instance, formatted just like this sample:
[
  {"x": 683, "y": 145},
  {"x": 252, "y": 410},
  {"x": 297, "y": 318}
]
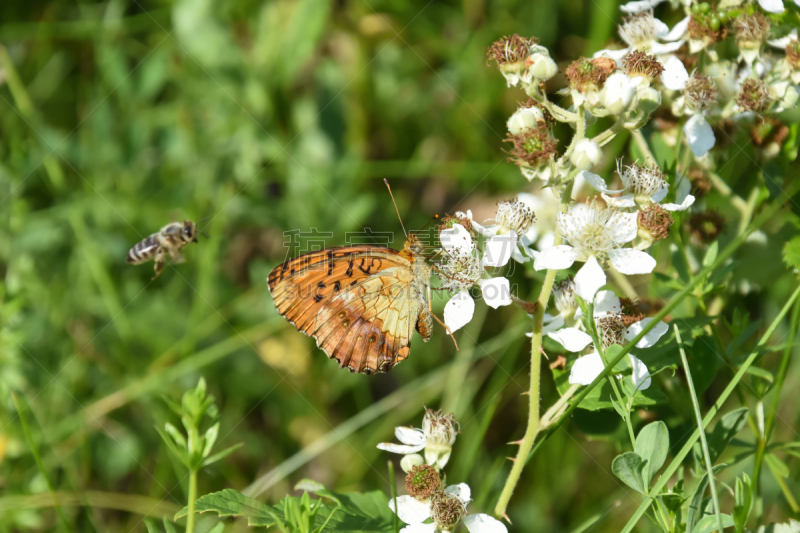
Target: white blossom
[
  {"x": 415, "y": 513},
  {"x": 595, "y": 234},
  {"x": 437, "y": 436},
  {"x": 642, "y": 187}
]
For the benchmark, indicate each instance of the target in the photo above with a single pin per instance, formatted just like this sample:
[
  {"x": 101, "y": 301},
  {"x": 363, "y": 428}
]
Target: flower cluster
[{"x": 428, "y": 506}]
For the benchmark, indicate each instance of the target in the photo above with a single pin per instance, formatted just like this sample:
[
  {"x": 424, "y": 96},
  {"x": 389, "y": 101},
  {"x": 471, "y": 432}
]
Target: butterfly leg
[{"x": 430, "y": 312}]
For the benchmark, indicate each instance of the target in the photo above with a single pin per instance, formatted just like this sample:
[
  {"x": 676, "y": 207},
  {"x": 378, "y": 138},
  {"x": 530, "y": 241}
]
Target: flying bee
[{"x": 169, "y": 241}]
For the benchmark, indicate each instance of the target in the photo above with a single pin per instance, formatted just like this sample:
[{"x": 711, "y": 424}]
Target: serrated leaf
[
  {"x": 629, "y": 467},
  {"x": 368, "y": 512},
  {"x": 231, "y": 502},
  {"x": 652, "y": 445},
  {"x": 791, "y": 253}
]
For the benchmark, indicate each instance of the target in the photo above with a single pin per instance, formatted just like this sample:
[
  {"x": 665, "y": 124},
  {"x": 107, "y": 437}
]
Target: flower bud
[
  {"x": 648, "y": 100},
  {"x": 409, "y": 461},
  {"x": 617, "y": 93},
  {"x": 524, "y": 118},
  {"x": 586, "y": 154},
  {"x": 422, "y": 482},
  {"x": 542, "y": 66}
]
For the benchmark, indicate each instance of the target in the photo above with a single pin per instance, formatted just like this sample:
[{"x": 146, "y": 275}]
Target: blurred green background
[{"x": 264, "y": 116}]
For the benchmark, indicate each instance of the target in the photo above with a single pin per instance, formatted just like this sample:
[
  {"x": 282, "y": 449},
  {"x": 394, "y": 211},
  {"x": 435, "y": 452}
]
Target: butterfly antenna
[
  {"x": 395, "y": 207},
  {"x": 435, "y": 217}
]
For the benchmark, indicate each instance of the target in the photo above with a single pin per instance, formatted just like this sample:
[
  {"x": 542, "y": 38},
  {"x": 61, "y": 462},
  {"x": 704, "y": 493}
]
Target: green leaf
[
  {"x": 791, "y": 253},
  {"x": 630, "y": 467},
  {"x": 230, "y": 502},
  {"x": 743, "y": 498},
  {"x": 221, "y": 455},
  {"x": 169, "y": 526},
  {"x": 711, "y": 254},
  {"x": 210, "y": 439},
  {"x": 652, "y": 445},
  {"x": 151, "y": 526},
  {"x": 703, "y": 363},
  {"x": 695, "y": 506},
  {"x": 710, "y": 523},
  {"x": 176, "y": 435},
  {"x": 777, "y": 466},
  {"x": 180, "y": 454},
  {"x": 368, "y": 512},
  {"x": 727, "y": 428}
]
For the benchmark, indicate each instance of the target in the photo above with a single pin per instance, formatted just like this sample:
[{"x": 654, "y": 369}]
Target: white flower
[
  {"x": 699, "y": 135},
  {"x": 586, "y": 154},
  {"x": 437, "y": 436},
  {"x": 513, "y": 224},
  {"x": 593, "y": 234},
  {"x": 449, "y": 505},
  {"x": 642, "y": 186},
  {"x": 610, "y": 323},
  {"x": 633, "y": 8},
  {"x": 646, "y": 33},
  {"x": 463, "y": 269},
  {"x": 675, "y": 74},
  {"x": 617, "y": 93}
]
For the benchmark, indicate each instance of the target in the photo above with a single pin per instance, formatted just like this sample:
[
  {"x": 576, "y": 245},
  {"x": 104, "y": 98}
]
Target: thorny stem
[{"x": 536, "y": 362}]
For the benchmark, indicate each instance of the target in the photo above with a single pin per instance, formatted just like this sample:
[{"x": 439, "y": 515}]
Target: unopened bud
[
  {"x": 542, "y": 67},
  {"x": 523, "y": 119},
  {"x": 410, "y": 461},
  {"x": 586, "y": 154},
  {"x": 617, "y": 93}
]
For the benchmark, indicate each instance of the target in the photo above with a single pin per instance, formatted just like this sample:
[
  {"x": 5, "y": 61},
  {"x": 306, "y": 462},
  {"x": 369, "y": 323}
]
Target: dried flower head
[
  {"x": 584, "y": 74},
  {"x": 655, "y": 222},
  {"x": 700, "y": 182},
  {"x": 631, "y": 311},
  {"x": 514, "y": 215},
  {"x": 638, "y": 63},
  {"x": 700, "y": 92},
  {"x": 706, "y": 226},
  {"x": 512, "y": 49},
  {"x": 612, "y": 329},
  {"x": 753, "y": 95},
  {"x": 793, "y": 53},
  {"x": 422, "y": 482},
  {"x": 447, "y": 510},
  {"x": 769, "y": 130},
  {"x": 751, "y": 29},
  {"x": 440, "y": 429},
  {"x": 639, "y": 31},
  {"x": 531, "y": 148},
  {"x": 706, "y": 28}
]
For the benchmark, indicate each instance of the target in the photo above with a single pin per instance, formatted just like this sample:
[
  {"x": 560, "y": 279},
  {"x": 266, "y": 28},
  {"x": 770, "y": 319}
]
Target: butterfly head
[{"x": 414, "y": 245}]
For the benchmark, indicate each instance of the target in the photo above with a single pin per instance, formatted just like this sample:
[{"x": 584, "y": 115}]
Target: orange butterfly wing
[{"x": 358, "y": 302}]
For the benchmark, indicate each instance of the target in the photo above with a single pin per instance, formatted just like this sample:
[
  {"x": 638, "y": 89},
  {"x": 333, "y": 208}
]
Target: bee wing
[{"x": 178, "y": 258}]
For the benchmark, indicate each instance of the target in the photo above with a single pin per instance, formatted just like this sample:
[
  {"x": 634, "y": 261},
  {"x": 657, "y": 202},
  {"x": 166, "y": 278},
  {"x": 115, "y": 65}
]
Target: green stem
[
  {"x": 192, "y": 498},
  {"x": 36, "y": 457},
  {"x": 699, "y": 417},
  {"x": 536, "y": 362},
  {"x": 641, "y": 142},
  {"x": 681, "y": 455},
  {"x": 607, "y": 136}
]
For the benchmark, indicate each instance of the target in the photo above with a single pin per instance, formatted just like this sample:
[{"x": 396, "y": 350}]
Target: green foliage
[{"x": 368, "y": 512}]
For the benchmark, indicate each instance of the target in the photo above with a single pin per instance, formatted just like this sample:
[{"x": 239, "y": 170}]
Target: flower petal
[
  {"x": 410, "y": 510},
  {"x": 678, "y": 30},
  {"x": 555, "y": 323},
  {"x": 499, "y": 249},
  {"x": 699, "y": 135},
  {"x": 662, "y": 49},
  {"x": 456, "y": 239},
  {"x": 629, "y": 261},
  {"x": 556, "y": 258},
  {"x": 419, "y": 528},
  {"x": 632, "y": 8},
  {"x": 597, "y": 182},
  {"x": 625, "y": 226},
  {"x": 411, "y": 436},
  {"x": 674, "y": 76},
  {"x": 651, "y": 337},
  {"x": 461, "y": 491},
  {"x": 459, "y": 310},
  {"x": 660, "y": 194},
  {"x": 399, "y": 448},
  {"x": 518, "y": 256},
  {"x": 606, "y": 302},
  {"x": 586, "y": 369},
  {"x": 589, "y": 279},
  {"x": 483, "y": 523},
  {"x": 626, "y": 200},
  {"x": 640, "y": 374},
  {"x": 772, "y": 6},
  {"x": 496, "y": 291},
  {"x": 683, "y": 206},
  {"x": 572, "y": 339},
  {"x": 616, "y": 55}
]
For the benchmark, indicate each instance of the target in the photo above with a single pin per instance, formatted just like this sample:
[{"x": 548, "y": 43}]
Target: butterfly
[{"x": 360, "y": 303}]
